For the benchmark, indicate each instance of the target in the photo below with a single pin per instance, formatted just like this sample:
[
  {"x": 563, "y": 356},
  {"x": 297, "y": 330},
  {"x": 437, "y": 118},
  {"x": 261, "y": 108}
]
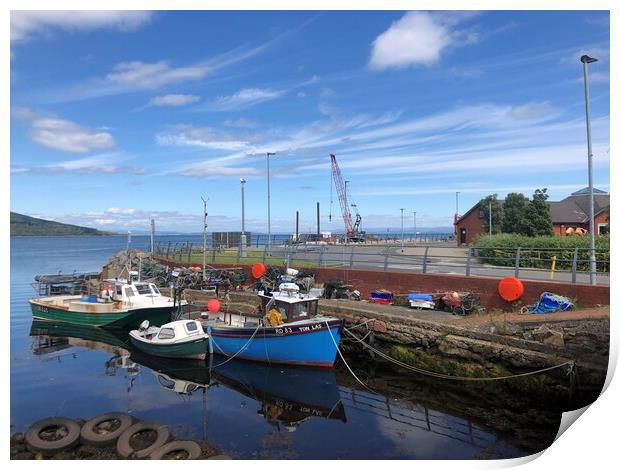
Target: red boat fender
[
  {"x": 213, "y": 305},
  {"x": 258, "y": 270},
  {"x": 510, "y": 288}
]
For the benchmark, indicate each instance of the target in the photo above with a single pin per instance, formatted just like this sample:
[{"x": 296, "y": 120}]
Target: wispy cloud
[
  {"x": 419, "y": 38},
  {"x": 27, "y": 24},
  {"x": 60, "y": 134},
  {"x": 173, "y": 100},
  {"x": 207, "y": 170},
  {"x": 243, "y": 99},
  {"x": 185, "y": 135},
  {"x": 152, "y": 75},
  {"x": 97, "y": 164},
  {"x": 240, "y": 122}
]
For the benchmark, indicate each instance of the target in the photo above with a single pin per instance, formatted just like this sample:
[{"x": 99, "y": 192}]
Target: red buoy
[
  {"x": 510, "y": 288},
  {"x": 258, "y": 270},
  {"x": 213, "y": 305}
]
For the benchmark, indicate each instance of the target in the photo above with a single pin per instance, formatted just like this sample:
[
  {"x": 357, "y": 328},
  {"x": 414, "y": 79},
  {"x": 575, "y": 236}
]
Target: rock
[
  {"x": 546, "y": 335},
  {"x": 379, "y": 326}
]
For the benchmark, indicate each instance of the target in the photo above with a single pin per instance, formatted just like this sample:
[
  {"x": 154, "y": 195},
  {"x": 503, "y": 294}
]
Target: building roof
[{"x": 573, "y": 209}]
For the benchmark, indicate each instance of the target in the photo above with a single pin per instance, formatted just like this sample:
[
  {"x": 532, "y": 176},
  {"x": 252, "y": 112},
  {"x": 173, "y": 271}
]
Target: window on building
[
  {"x": 481, "y": 213},
  {"x": 603, "y": 229}
]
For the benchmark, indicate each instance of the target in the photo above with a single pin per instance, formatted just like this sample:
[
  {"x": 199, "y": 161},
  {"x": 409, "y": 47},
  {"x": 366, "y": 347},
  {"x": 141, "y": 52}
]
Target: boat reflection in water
[{"x": 287, "y": 395}]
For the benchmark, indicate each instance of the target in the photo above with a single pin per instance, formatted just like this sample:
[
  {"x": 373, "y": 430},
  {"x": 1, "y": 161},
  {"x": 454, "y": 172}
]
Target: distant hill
[{"x": 25, "y": 225}]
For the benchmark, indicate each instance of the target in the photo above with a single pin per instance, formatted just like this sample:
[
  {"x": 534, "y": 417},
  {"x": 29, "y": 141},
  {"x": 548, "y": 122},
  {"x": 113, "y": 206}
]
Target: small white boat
[{"x": 181, "y": 339}]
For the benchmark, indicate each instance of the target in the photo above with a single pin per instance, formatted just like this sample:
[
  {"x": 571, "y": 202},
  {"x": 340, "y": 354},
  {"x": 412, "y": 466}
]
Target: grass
[{"x": 253, "y": 256}]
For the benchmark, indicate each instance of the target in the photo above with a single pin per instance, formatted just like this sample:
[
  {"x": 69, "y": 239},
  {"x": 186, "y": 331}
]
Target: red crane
[{"x": 352, "y": 231}]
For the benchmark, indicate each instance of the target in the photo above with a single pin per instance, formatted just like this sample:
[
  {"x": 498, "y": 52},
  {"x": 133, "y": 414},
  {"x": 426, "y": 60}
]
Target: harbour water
[{"x": 246, "y": 410}]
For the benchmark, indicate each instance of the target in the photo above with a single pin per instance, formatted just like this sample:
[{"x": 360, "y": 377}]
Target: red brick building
[{"x": 567, "y": 215}]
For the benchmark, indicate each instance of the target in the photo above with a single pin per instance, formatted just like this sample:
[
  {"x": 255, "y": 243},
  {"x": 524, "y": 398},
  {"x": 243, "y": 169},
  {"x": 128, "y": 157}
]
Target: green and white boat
[
  {"x": 181, "y": 339},
  {"x": 121, "y": 304}
]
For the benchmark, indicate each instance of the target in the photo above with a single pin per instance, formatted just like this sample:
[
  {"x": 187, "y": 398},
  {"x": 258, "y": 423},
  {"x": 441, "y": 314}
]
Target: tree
[
  {"x": 516, "y": 214},
  {"x": 539, "y": 217},
  {"x": 497, "y": 213}
]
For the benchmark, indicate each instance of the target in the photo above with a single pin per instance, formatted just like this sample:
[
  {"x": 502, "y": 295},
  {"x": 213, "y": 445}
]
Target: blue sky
[{"x": 117, "y": 117}]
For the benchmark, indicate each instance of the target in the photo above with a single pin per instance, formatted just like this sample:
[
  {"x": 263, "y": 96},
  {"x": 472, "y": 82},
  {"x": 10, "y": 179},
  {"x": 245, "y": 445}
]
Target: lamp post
[
  {"x": 490, "y": 217},
  {"x": 204, "y": 237},
  {"x": 269, "y": 154},
  {"x": 588, "y": 60},
  {"x": 346, "y": 234},
  {"x": 402, "y": 231},
  {"x": 243, "y": 241},
  {"x": 456, "y": 213},
  {"x": 415, "y": 226}
]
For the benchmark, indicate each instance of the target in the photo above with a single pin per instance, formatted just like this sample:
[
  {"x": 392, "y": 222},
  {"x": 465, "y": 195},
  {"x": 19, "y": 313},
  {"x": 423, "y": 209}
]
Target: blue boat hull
[{"x": 311, "y": 344}]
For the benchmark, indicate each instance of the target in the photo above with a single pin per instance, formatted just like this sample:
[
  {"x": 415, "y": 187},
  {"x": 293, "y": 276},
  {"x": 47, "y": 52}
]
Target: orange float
[
  {"x": 213, "y": 305},
  {"x": 510, "y": 288},
  {"x": 258, "y": 270}
]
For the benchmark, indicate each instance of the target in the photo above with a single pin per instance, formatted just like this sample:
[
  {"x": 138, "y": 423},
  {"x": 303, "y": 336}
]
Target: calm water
[{"x": 248, "y": 411}]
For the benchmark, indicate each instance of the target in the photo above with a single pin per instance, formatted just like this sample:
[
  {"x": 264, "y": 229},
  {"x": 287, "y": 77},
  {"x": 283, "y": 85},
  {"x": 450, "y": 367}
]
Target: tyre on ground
[
  {"x": 92, "y": 433},
  {"x": 67, "y": 433},
  {"x": 123, "y": 445}
]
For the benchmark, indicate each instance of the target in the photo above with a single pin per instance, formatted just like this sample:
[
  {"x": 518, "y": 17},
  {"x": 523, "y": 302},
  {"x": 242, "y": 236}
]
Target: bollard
[
  {"x": 425, "y": 260},
  {"x": 574, "y": 270},
  {"x": 517, "y": 261},
  {"x": 468, "y": 266},
  {"x": 552, "y": 273}
]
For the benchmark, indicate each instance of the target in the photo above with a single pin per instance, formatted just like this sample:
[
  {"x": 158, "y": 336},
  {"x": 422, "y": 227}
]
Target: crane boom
[{"x": 342, "y": 197}]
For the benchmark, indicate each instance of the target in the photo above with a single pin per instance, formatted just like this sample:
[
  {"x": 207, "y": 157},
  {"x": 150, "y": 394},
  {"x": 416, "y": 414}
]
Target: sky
[{"x": 118, "y": 117}]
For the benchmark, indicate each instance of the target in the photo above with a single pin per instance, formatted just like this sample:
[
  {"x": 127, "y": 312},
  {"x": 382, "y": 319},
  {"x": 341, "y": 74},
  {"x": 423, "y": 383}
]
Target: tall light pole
[
  {"x": 588, "y": 60},
  {"x": 456, "y": 214},
  {"x": 490, "y": 217},
  {"x": 269, "y": 154},
  {"x": 346, "y": 199},
  {"x": 243, "y": 240},
  {"x": 204, "y": 237},
  {"x": 402, "y": 231},
  {"x": 415, "y": 225}
]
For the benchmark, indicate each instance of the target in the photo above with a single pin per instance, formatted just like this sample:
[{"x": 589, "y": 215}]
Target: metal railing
[{"x": 527, "y": 263}]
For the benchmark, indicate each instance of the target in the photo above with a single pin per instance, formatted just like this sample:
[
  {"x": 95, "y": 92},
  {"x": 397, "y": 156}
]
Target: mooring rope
[
  {"x": 439, "y": 375},
  {"x": 345, "y": 361},
  {"x": 238, "y": 352}
]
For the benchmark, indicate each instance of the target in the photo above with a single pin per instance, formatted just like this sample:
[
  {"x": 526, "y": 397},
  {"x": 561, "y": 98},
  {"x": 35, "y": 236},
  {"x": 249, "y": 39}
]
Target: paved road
[{"x": 441, "y": 258}]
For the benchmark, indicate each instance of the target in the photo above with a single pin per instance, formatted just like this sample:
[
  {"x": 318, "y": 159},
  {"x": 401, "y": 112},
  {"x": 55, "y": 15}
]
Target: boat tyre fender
[
  {"x": 91, "y": 436},
  {"x": 68, "y": 433},
  {"x": 192, "y": 449},
  {"x": 123, "y": 446}
]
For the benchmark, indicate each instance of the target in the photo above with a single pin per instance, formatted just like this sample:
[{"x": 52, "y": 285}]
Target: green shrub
[{"x": 537, "y": 252}]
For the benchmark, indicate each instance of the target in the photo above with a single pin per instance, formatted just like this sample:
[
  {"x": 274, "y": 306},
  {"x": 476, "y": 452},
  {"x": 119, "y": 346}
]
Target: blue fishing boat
[{"x": 287, "y": 330}]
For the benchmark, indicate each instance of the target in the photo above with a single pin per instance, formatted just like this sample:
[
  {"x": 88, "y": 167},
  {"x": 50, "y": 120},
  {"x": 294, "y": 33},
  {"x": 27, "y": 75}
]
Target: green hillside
[{"x": 25, "y": 225}]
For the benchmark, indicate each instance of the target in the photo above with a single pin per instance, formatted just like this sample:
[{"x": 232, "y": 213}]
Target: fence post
[
  {"x": 351, "y": 258},
  {"x": 321, "y": 251},
  {"x": 574, "y": 270},
  {"x": 468, "y": 266},
  {"x": 425, "y": 260},
  {"x": 517, "y": 261},
  {"x": 189, "y": 253},
  {"x": 386, "y": 253},
  {"x": 168, "y": 251},
  {"x": 213, "y": 256},
  {"x": 238, "y": 252},
  {"x": 265, "y": 254}
]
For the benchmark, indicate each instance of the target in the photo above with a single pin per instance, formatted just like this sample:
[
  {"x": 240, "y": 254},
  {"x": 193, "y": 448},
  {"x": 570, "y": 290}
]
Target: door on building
[{"x": 463, "y": 237}]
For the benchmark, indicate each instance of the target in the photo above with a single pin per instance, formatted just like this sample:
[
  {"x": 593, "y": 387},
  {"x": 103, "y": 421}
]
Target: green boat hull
[
  {"x": 126, "y": 320},
  {"x": 196, "y": 349}
]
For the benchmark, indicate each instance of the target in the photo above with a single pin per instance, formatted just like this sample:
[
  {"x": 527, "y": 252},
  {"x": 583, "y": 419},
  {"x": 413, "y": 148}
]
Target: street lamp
[
  {"x": 415, "y": 226},
  {"x": 456, "y": 214},
  {"x": 402, "y": 231},
  {"x": 204, "y": 237},
  {"x": 346, "y": 234},
  {"x": 269, "y": 154},
  {"x": 243, "y": 241},
  {"x": 588, "y": 60}
]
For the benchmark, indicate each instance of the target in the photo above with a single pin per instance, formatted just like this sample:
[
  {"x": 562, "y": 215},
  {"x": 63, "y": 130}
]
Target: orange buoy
[
  {"x": 213, "y": 305},
  {"x": 258, "y": 270},
  {"x": 510, "y": 288}
]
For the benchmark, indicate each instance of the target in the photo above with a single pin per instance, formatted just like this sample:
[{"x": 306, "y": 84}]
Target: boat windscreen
[{"x": 143, "y": 289}]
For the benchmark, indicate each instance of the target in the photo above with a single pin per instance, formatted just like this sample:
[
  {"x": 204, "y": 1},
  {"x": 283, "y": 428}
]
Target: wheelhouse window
[
  {"x": 154, "y": 289},
  {"x": 143, "y": 289},
  {"x": 191, "y": 327},
  {"x": 166, "y": 333},
  {"x": 128, "y": 292},
  {"x": 303, "y": 310}
]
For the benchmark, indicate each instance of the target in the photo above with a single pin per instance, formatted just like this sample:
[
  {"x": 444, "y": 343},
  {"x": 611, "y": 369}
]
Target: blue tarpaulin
[{"x": 550, "y": 303}]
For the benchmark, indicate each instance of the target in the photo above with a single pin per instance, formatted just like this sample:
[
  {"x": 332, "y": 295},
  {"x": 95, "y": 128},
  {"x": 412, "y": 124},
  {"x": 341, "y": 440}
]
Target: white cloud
[
  {"x": 533, "y": 111},
  {"x": 207, "y": 170},
  {"x": 241, "y": 122},
  {"x": 152, "y": 75},
  {"x": 61, "y": 134},
  {"x": 418, "y": 38},
  {"x": 174, "y": 100},
  {"x": 119, "y": 210},
  {"x": 26, "y": 24},
  {"x": 97, "y": 164},
  {"x": 301, "y": 94},
  {"x": 244, "y": 98},
  {"x": 191, "y": 136}
]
